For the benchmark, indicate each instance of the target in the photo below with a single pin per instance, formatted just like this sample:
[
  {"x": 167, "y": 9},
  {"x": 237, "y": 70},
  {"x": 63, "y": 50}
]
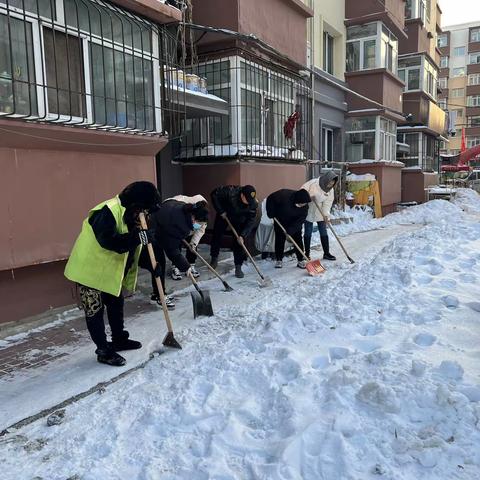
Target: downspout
[{"x": 312, "y": 84}]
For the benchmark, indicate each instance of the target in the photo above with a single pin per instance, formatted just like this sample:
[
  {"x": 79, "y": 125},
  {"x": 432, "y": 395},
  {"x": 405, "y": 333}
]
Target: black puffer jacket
[
  {"x": 281, "y": 205},
  {"x": 227, "y": 200},
  {"x": 172, "y": 223}
]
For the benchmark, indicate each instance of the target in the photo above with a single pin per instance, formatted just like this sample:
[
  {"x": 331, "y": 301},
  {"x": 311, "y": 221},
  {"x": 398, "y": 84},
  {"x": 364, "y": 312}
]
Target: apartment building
[
  {"x": 418, "y": 67},
  {"x": 460, "y": 83},
  {"x": 326, "y": 57}
]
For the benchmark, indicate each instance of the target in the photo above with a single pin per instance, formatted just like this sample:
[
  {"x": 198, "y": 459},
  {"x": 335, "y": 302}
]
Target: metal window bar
[
  {"x": 86, "y": 63},
  {"x": 261, "y": 97}
]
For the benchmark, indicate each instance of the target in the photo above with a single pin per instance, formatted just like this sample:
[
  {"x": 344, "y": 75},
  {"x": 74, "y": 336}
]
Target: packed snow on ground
[{"x": 369, "y": 371}]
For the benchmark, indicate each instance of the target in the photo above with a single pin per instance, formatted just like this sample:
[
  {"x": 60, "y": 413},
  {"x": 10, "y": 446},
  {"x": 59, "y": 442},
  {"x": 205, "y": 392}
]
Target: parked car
[{"x": 473, "y": 180}]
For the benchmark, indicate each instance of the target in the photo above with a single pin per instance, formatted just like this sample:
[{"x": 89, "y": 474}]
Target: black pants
[
  {"x": 191, "y": 257},
  {"x": 219, "y": 229},
  {"x": 144, "y": 262},
  {"x": 94, "y": 304},
  {"x": 280, "y": 238}
]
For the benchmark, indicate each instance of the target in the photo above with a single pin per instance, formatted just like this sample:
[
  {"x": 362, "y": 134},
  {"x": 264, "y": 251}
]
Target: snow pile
[
  {"x": 367, "y": 371},
  {"x": 468, "y": 200}
]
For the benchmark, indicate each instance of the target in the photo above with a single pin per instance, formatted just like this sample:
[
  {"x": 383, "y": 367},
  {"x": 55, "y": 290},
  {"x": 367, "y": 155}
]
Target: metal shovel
[
  {"x": 313, "y": 267},
  {"x": 228, "y": 288},
  {"x": 202, "y": 304}
]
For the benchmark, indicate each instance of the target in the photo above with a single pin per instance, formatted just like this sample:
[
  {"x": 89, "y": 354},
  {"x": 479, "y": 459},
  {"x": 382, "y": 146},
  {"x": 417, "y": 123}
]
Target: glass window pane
[
  {"x": 353, "y": 56},
  {"x": 361, "y": 31},
  {"x": 18, "y": 92},
  {"x": 414, "y": 79},
  {"x": 369, "y": 54}
]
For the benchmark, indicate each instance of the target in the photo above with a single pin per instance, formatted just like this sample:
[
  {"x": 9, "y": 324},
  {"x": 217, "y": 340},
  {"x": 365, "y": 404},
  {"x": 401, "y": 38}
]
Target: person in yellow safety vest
[{"x": 104, "y": 260}]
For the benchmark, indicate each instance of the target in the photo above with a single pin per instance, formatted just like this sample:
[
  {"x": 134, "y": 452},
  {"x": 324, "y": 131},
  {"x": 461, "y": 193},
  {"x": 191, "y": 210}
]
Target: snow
[
  {"x": 367, "y": 371},
  {"x": 388, "y": 162},
  {"x": 367, "y": 177}
]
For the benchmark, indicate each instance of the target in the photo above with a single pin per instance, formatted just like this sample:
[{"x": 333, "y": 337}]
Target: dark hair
[
  {"x": 140, "y": 195},
  {"x": 200, "y": 212}
]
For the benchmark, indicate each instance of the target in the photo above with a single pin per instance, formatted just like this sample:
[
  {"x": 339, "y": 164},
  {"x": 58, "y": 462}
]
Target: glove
[
  {"x": 158, "y": 271},
  {"x": 193, "y": 245},
  {"x": 224, "y": 215},
  {"x": 146, "y": 236}
]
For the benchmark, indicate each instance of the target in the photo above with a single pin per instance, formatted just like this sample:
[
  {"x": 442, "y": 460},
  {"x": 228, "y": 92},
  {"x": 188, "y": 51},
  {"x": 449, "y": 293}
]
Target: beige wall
[{"x": 329, "y": 17}]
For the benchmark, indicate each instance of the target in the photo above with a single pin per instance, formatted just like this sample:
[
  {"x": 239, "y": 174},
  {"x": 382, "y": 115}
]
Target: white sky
[{"x": 460, "y": 11}]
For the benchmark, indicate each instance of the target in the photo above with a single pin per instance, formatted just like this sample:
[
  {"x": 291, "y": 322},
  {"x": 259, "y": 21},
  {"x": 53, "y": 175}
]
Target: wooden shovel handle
[
  {"x": 153, "y": 260},
  {"x": 237, "y": 236},
  {"x": 291, "y": 240}
]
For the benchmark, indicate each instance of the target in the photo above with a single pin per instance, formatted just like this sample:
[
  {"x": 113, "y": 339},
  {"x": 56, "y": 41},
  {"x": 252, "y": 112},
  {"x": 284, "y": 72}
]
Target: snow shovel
[
  {"x": 228, "y": 288},
  {"x": 350, "y": 259},
  {"x": 202, "y": 304},
  {"x": 169, "y": 340},
  {"x": 313, "y": 267},
  {"x": 264, "y": 281}
]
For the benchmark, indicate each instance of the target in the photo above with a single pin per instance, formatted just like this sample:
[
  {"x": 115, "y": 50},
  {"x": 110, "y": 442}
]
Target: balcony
[
  {"x": 424, "y": 112},
  {"x": 390, "y": 12},
  {"x": 473, "y": 68},
  {"x": 473, "y": 90}
]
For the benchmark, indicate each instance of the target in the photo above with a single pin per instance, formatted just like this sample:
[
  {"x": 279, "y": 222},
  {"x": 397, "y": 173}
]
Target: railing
[
  {"x": 83, "y": 63},
  {"x": 261, "y": 99}
]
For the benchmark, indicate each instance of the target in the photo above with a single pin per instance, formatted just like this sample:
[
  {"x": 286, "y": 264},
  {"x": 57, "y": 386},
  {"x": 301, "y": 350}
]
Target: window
[
  {"x": 443, "y": 82},
  {"x": 17, "y": 69},
  {"x": 442, "y": 104},
  {"x": 418, "y": 9},
  {"x": 360, "y": 141},
  {"x": 65, "y": 74},
  {"x": 409, "y": 72},
  {"x": 458, "y": 92},
  {"x": 409, "y": 9},
  {"x": 371, "y": 46},
  {"x": 473, "y": 142},
  {"x": 388, "y": 139},
  {"x": 474, "y": 79},
  {"x": 417, "y": 78},
  {"x": 459, "y": 113},
  {"x": 473, "y": 101},
  {"x": 328, "y": 53},
  {"x": 411, "y": 158},
  {"x": 475, "y": 58},
  {"x": 442, "y": 40},
  {"x": 459, "y": 51},
  {"x": 327, "y": 144},
  {"x": 459, "y": 72},
  {"x": 443, "y": 62},
  {"x": 474, "y": 121},
  {"x": 475, "y": 35}
]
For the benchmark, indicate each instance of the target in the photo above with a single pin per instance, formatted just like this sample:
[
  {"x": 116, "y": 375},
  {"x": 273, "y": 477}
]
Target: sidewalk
[{"x": 55, "y": 363}]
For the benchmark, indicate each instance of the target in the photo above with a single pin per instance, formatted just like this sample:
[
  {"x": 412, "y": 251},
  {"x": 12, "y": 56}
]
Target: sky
[{"x": 460, "y": 11}]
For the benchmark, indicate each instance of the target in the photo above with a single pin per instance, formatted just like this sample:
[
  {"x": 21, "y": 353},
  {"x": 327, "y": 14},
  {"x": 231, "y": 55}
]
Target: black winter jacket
[
  {"x": 172, "y": 224},
  {"x": 227, "y": 200},
  {"x": 281, "y": 205}
]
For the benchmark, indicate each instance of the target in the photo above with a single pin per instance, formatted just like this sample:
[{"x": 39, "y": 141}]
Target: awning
[{"x": 199, "y": 104}]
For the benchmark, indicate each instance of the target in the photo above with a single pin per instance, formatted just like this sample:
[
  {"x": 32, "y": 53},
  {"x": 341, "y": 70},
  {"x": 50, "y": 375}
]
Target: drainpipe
[{"x": 312, "y": 84}]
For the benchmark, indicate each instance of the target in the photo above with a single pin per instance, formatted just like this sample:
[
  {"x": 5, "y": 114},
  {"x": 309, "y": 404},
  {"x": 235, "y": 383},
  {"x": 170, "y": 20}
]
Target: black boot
[
  {"x": 110, "y": 357},
  {"x": 307, "y": 241},
  {"x": 326, "y": 249},
  {"x": 214, "y": 262},
  {"x": 122, "y": 342},
  {"x": 238, "y": 271}
]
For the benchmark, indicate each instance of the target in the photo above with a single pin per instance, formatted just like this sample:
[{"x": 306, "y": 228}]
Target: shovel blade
[
  {"x": 202, "y": 304},
  {"x": 315, "y": 268},
  {"x": 169, "y": 341},
  {"x": 265, "y": 282}
]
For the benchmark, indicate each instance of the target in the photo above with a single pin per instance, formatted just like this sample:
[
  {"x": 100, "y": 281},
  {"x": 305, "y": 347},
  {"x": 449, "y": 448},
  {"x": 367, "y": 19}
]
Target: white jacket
[
  {"x": 197, "y": 234},
  {"x": 324, "y": 200}
]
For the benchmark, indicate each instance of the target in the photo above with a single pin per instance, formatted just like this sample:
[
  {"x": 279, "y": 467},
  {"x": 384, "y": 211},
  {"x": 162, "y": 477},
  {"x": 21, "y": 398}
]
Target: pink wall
[{"x": 45, "y": 195}]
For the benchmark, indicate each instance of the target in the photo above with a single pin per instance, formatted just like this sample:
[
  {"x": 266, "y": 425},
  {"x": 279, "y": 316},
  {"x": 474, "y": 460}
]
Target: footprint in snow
[
  {"x": 468, "y": 263},
  {"x": 435, "y": 267},
  {"x": 468, "y": 278},
  {"x": 425, "y": 339},
  {"x": 450, "y": 301},
  {"x": 320, "y": 362},
  {"x": 448, "y": 283},
  {"x": 474, "y": 306},
  {"x": 338, "y": 353},
  {"x": 370, "y": 329},
  {"x": 424, "y": 279},
  {"x": 451, "y": 369}
]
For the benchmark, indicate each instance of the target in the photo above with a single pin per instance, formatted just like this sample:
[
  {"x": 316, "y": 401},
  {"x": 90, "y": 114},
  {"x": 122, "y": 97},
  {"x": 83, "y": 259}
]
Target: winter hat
[
  {"x": 301, "y": 196},
  {"x": 250, "y": 194},
  {"x": 326, "y": 178},
  {"x": 200, "y": 212},
  {"x": 142, "y": 195}
]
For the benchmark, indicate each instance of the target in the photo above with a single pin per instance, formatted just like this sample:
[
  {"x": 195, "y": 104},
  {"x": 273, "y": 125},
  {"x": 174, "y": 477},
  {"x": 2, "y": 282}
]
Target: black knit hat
[
  {"x": 250, "y": 195},
  {"x": 142, "y": 195},
  {"x": 301, "y": 196}
]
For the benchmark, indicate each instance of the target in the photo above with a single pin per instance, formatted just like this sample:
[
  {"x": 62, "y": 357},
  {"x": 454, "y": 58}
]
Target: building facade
[
  {"x": 418, "y": 66},
  {"x": 460, "y": 83},
  {"x": 81, "y": 115}
]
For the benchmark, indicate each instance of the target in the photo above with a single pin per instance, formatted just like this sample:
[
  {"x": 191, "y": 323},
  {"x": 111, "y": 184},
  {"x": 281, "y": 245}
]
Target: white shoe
[
  {"x": 302, "y": 264},
  {"x": 194, "y": 271},
  {"x": 279, "y": 264},
  {"x": 176, "y": 274},
  {"x": 170, "y": 302}
]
